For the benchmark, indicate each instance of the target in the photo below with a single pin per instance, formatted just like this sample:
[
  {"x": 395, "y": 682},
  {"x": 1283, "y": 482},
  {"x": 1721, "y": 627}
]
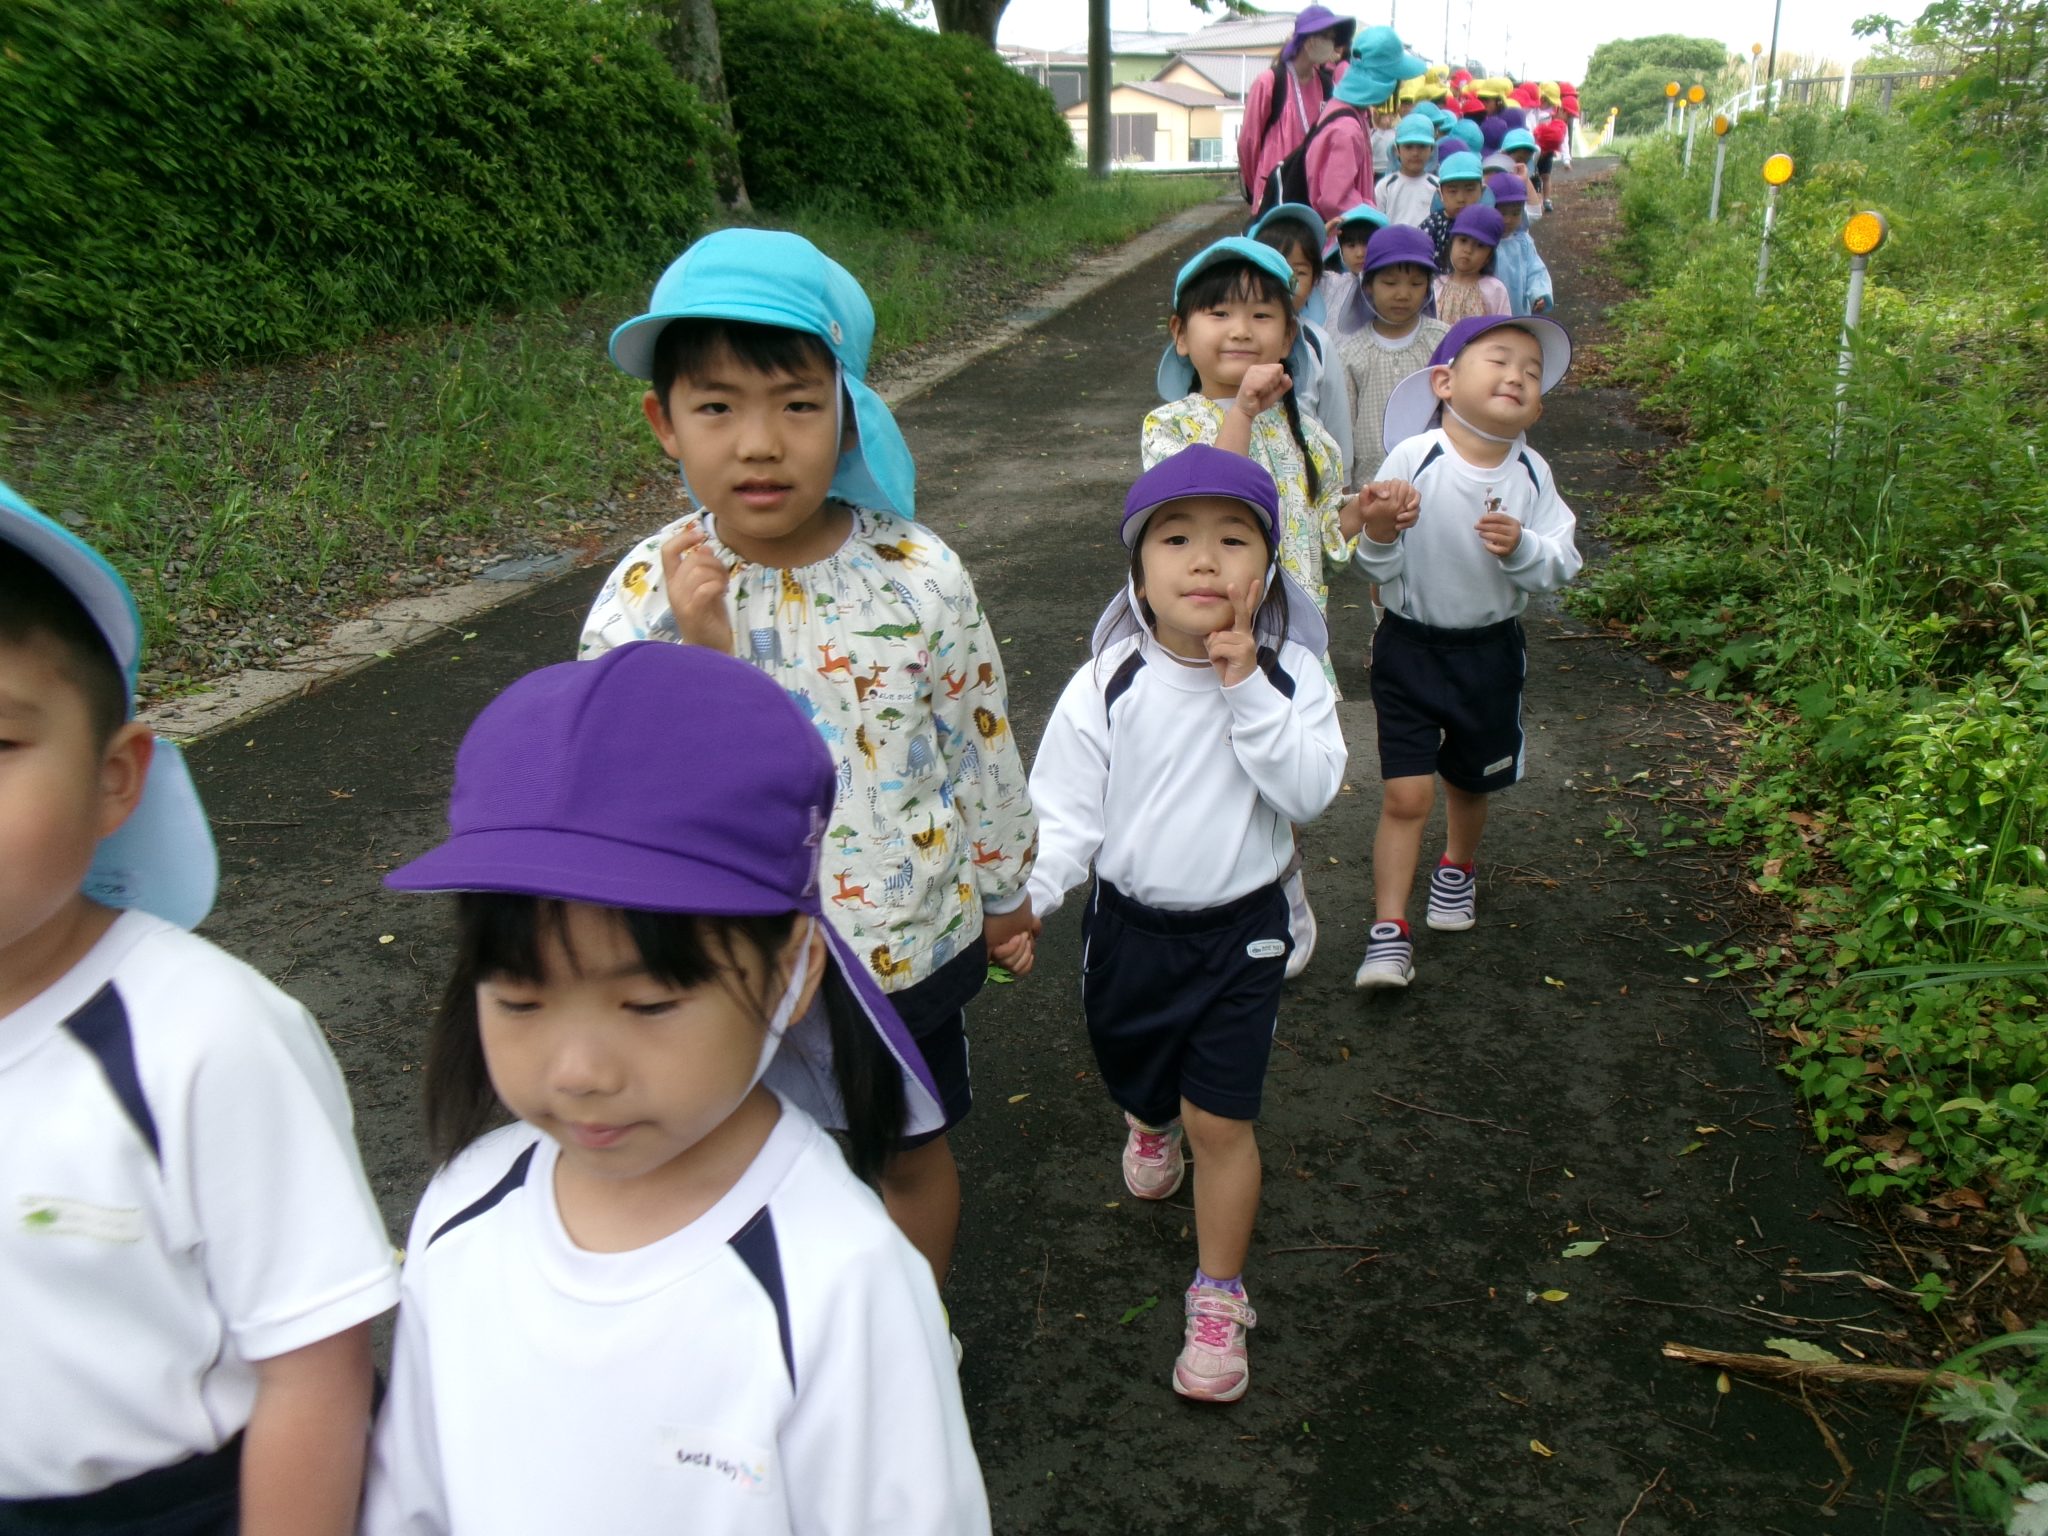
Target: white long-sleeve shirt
[
  {"x": 1438, "y": 572},
  {"x": 1181, "y": 792}
]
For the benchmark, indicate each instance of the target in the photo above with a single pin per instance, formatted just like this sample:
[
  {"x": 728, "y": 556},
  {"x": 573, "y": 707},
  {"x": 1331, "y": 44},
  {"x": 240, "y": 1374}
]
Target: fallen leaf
[
  {"x": 1136, "y": 1312},
  {"x": 1582, "y": 1250},
  {"x": 387, "y": 938},
  {"x": 1723, "y": 1385},
  {"x": 1799, "y": 1349},
  {"x": 1552, "y": 1296},
  {"x": 1540, "y": 1448},
  {"x": 1019, "y": 1098},
  {"x": 1688, "y": 1151},
  {"x": 1552, "y": 981}
]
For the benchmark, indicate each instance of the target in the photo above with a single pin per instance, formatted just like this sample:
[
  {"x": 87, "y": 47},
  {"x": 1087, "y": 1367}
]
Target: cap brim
[
  {"x": 162, "y": 860},
  {"x": 578, "y": 866},
  {"x": 1175, "y": 376},
  {"x": 1306, "y": 626},
  {"x": 1413, "y": 404}
]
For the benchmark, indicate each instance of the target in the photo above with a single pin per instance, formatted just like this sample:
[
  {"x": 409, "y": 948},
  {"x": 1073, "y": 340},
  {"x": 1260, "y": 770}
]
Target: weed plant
[{"x": 1866, "y": 568}]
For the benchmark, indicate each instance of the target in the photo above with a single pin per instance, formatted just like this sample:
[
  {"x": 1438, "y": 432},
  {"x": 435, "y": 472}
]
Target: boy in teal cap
[
  {"x": 1408, "y": 193},
  {"x": 192, "y": 1258},
  {"x": 1459, "y": 185},
  {"x": 797, "y": 550}
]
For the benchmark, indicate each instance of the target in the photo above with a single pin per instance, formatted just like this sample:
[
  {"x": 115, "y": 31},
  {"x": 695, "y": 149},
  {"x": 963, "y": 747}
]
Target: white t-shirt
[
  {"x": 1407, "y": 199},
  {"x": 1179, "y": 791},
  {"x": 780, "y": 1365},
  {"x": 1438, "y": 572},
  {"x": 182, "y": 1198}
]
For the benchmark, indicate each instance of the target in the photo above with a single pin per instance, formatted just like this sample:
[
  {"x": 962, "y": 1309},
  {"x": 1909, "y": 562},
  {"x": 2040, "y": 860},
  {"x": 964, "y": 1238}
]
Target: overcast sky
[{"x": 1529, "y": 39}]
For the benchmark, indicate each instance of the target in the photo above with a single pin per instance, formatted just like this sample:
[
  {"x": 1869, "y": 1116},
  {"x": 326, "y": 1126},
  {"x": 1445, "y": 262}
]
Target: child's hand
[
  {"x": 1012, "y": 938},
  {"x": 696, "y": 589},
  {"x": 1501, "y": 534},
  {"x": 1386, "y": 507},
  {"x": 1539, "y": 306},
  {"x": 1263, "y": 386},
  {"x": 1234, "y": 651}
]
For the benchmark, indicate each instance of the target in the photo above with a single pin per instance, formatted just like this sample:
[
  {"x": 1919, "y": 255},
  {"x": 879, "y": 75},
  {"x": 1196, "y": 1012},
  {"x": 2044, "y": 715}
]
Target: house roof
[
  {"x": 1239, "y": 32},
  {"x": 1121, "y": 43},
  {"x": 1043, "y": 56},
  {"x": 1179, "y": 95},
  {"x": 1230, "y": 73}
]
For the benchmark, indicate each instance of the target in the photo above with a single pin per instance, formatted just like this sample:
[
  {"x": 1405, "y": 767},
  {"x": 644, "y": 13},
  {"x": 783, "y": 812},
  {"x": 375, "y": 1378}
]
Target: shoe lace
[
  {"x": 1152, "y": 1145},
  {"x": 1217, "y": 1320}
]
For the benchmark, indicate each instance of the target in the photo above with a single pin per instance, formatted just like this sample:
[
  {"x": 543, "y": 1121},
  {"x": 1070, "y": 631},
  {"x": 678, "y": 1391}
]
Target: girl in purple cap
[
  {"x": 1175, "y": 764},
  {"x": 1469, "y": 287},
  {"x": 658, "y": 1299}
]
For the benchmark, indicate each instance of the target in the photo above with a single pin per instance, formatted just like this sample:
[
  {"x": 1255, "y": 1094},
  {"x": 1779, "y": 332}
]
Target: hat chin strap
[
  {"x": 1491, "y": 437},
  {"x": 785, "y": 1011}
]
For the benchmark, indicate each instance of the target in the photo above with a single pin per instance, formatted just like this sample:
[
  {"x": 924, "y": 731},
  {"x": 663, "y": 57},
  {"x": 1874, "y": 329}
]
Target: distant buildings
[{"x": 1176, "y": 99}]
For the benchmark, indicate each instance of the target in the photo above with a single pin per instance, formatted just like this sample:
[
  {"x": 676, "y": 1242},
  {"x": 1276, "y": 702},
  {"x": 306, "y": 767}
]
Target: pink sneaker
[
  {"x": 1154, "y": 1163},
  {"x": 1213, "y": 1366}
]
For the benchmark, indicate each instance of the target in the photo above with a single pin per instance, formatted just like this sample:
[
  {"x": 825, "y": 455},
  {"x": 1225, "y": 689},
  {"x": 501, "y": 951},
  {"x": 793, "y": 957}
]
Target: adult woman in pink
[
  {"x": 1339, "y": 159},
  {"x": 1284, "y": 102}
]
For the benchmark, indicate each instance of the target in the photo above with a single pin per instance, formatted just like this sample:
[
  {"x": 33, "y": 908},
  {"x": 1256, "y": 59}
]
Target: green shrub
[
  {"x": 839, "y": 100},
  {"x": 191, "y": 181}
]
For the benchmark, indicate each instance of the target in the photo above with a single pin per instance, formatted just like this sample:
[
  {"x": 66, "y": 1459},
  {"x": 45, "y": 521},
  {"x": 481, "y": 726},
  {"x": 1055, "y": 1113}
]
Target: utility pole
[
  {"x": 1771, "y": 69},
  {"x": 1099, "y": 129}
]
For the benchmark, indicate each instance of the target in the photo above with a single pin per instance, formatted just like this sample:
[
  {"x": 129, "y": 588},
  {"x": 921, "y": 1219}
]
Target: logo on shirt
[
  {"x": 1266, "y": 949},
  {"x": 708, "y": 1454},
  {"x": 55, "y": 1216}
]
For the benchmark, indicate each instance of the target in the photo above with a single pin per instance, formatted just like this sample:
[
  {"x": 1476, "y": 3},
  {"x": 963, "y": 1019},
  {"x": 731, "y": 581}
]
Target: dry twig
[{"x": 1778, "y": 1368}]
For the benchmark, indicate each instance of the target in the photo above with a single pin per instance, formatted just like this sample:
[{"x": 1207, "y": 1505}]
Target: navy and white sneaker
[
  {"x": 1301, "y": 926},
  {"x": 1389, "y": 958},
  {"x": 1453, "y": 899}
]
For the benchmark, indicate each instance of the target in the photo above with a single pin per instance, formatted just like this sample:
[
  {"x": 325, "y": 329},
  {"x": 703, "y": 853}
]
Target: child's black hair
[
  {"x": 502, "y": 935},
  {"x": 1237, "y": 278},
  {"x": 688, "y": 349},
  {"x": 34, "y": 604}
]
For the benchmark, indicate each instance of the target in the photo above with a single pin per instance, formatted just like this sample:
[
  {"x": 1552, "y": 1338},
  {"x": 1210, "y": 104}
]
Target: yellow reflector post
[
  {"x": 1696, "y": 95},
  {"x": 1721, "y": 123},
  {"x": 1864, "y": 233},
  {"x": 1671, "y": 89},
  {"x": 1756, "y": 50},
  {"x": 1778, "y": 170}
]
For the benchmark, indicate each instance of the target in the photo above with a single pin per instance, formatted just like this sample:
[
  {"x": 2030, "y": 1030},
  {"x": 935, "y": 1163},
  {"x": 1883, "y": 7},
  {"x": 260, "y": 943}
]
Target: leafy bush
[
  {"x": 191, "y": 180},
  {"x": 839, "y": 100},
  {"x": 1867, "y": 570}
]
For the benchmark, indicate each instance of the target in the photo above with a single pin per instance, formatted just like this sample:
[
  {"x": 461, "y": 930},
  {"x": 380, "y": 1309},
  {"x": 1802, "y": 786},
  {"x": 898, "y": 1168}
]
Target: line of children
[{"x": 640, "y": 1246}]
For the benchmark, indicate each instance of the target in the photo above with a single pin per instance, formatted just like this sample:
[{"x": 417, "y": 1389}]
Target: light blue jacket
[{"x": 1517, "y": 264}]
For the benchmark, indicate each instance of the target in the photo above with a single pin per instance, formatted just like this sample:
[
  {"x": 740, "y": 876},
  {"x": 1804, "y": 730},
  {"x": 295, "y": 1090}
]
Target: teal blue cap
[
  {"x": 1518, "y": 138},
  {"x": 1462, "y": 166},
  {"x": 1415, "y": 128}
]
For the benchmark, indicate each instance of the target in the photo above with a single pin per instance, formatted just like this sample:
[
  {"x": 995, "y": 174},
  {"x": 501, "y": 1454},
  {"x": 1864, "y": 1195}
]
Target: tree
[
  {"x": 1998, "y": 49},
  {"x": 975, "y": 18},
  {"x": 690, "y": 38},
  {"x": 1631, "y": 74}
]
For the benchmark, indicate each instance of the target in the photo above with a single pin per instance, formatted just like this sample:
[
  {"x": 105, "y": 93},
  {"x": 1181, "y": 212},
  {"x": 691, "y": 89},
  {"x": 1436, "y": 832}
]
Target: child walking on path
[
  {"x": 801, "y": 555},
  {"x": 1469, "y": 288},
  {"x": 191, "y": 1257},
  {"x": 1296, "y": 233},
  {"x": 1343, "y": 256},
  {"x": 1448, "y": 660},
  {"x": 659, "y": 1300},
  {"x": 1408, "y": 192},
  {"x": 1460, "y": 182},
  {"x": 1396, "y": 340},
  {"x": 1517, "y": 263},
  {"x": 1175, "y": 763}
]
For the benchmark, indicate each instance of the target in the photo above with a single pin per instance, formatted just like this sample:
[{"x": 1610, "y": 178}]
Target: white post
[
  {"x": 1720, "y": 160},
  {"x": 1848, "y": 83},
  {"x": 1763, "y": 254},
  {"x": 1691, "y": 128},
  {"x": 1667, "y": 114},
  {"x": 1852, "y": 313}
]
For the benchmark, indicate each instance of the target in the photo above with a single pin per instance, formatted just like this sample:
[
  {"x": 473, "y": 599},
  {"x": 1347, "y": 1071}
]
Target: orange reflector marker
[
  {"x": 1721, "y": 123},
  {"x": 1696, "y": 95},
  {"x": 1778, "y": 170},
  {"x": 1865, "y": 232},
  {"x": 1672, "y": 89}
]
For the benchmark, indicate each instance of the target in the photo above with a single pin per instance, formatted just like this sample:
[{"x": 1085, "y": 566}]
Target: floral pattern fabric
[{"x": 884, "y": 646}]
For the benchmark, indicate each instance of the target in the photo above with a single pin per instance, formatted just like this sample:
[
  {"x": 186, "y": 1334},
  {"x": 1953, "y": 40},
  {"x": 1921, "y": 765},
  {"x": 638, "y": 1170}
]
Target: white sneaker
[
  {"x": 1301, "y": 926},
  {"x": 1389, "y": 959},
  {"x": 1453, "y": 899}
]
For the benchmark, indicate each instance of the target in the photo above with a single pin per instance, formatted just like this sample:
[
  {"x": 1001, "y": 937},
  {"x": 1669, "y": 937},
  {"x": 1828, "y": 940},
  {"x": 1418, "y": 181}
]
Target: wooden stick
[
  {"x": 1445, "y": 1114},
  {"x": 1326, "y": 1248},
  {"x": 1778, "y": 1368},
  {"x": 1648, "y": 1489}
]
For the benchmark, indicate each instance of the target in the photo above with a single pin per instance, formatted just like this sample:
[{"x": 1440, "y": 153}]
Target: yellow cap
[
  {"x": 1778, "y": 170},
  {"x": 1696, "y": 95},
  {"x": 1548, "y": 93},
  {"x": 1865, "y": 232},
  {"x": 1671, "y": 89},
  {"x": 1721, "y": 122}
]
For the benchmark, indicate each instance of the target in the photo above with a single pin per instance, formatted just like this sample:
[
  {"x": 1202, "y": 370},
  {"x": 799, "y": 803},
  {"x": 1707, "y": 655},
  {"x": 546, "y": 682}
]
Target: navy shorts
[
  {"x": 197, "y": 1497},
  {"x": 935, "y": 1013},
  {"x": 1182, "y": 1005},
  {"x": 1449, "y": 701}
]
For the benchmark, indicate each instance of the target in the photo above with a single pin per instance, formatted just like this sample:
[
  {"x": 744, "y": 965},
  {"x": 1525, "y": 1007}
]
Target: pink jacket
[
  {"x": 1339, "y": 162},
  {"x": 1258, "y": 151}
]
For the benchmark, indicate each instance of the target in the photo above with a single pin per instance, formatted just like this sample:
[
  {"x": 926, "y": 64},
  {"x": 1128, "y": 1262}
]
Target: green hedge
[
  {"x": 191, "y": 181},
  {"x": 839, "y": 100}
]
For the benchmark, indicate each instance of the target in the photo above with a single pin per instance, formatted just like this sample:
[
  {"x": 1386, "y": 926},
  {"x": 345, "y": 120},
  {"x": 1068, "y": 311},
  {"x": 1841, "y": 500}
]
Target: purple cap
[
  {"x": 1492, "y": 130},
  {"x": 1319, "y": 19},
  {"x": 1399, "y": 245},
  {"x": 1480, "y": 223},
  {"x": 1413, "y": 405},
  {"x": 1514, "y": 117},
  {"x": 1507, "y": 188},
  {"x": 662, "y": 777},
  {"x": 1200, "y": 469}
]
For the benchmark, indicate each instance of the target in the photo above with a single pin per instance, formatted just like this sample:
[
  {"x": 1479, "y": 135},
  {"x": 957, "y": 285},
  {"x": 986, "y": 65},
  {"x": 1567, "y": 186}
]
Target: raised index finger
[{"x": 1244, "y": 603}]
